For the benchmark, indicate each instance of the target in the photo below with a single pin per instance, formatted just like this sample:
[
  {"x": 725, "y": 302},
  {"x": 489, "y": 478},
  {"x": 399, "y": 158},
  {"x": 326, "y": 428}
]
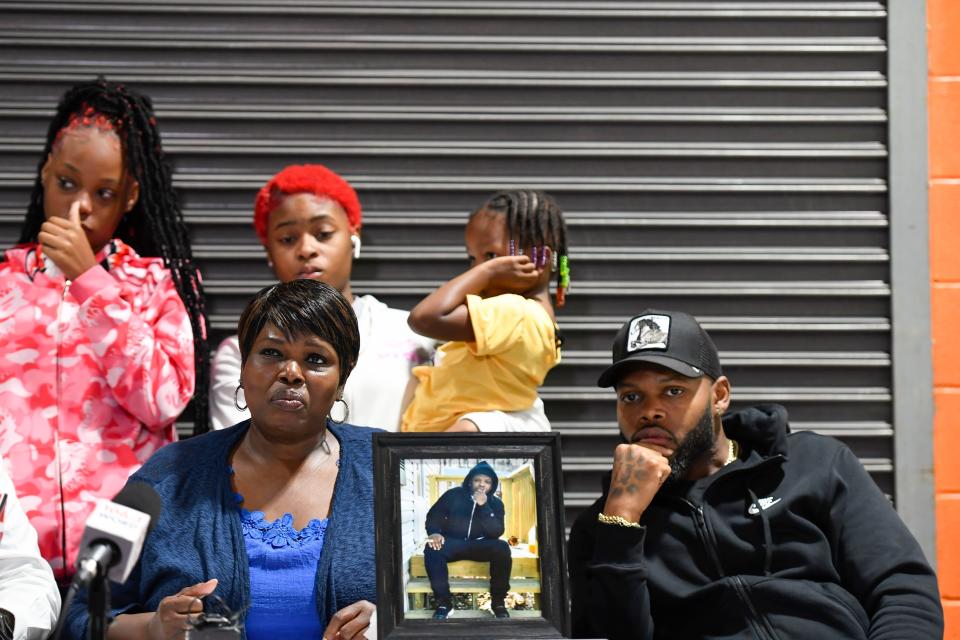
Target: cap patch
[{"x": 648, "y": 332}]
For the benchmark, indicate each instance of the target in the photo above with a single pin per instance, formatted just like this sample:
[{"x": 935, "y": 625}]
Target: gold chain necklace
[{"x": 734, "y": 452}]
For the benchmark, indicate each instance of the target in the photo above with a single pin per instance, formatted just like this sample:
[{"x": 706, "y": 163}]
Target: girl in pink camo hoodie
[{"x": 100, "y": 348}]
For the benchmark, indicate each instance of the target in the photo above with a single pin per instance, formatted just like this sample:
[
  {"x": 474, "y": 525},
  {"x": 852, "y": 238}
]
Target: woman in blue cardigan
[{"x": 274, "y": 515}]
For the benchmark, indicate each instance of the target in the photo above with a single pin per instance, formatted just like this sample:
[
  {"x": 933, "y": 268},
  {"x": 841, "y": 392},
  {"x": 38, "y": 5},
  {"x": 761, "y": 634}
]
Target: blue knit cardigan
[{"x": 198, "y": 535}]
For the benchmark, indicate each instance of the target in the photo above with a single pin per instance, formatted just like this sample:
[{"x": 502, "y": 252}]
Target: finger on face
[{"x": 74, "y": 214}]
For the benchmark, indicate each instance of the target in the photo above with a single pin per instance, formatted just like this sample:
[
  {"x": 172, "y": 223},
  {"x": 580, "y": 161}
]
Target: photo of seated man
[
  {"x": 466, "y": 524},
  {"x": 479, "y": 518}
]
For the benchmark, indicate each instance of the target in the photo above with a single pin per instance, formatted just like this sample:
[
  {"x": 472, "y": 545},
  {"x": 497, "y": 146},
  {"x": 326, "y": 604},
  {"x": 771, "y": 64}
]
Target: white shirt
[
  {"x": 27, "y": 587},
  {"x": 389, "y": 349}
]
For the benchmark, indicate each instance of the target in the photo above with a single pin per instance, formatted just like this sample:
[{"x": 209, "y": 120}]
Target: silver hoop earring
[
  {"x": 236, "y": 399},
  {"x": 346, "y": 412}
]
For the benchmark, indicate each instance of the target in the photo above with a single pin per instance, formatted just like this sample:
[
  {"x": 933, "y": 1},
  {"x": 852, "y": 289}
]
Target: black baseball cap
[{"x": 671, "y": 339}]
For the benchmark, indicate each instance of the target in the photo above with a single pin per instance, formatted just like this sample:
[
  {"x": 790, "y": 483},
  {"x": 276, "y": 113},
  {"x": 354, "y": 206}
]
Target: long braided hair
[
  {"x": 154, "y": 227},
  {"x": 534, "y": 221}
]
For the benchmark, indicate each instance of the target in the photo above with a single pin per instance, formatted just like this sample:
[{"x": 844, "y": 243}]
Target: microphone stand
[
  {"x": 98, "y": 605},
  {"x": 98, "y": 589}
]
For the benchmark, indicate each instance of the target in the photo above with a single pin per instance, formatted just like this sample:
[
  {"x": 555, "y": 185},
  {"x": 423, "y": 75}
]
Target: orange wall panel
[
  {"x": 951, "y": 614},
  {"x": 943, "y": 20},
  {"x": 943, "y": 102},
  {"x": 944, "y": 231},
  {"x": 948, "y": 551},
  {"x": 943, "y": 99},
  {"x": 946, "y": 440},
  {"x": 945, "y": 312}
]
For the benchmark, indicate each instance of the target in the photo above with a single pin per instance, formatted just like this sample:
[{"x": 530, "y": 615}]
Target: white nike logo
[{"x": 765, "y": 503}]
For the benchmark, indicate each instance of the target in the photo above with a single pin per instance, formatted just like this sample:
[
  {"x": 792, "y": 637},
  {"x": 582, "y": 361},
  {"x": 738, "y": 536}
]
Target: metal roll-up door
[{"x": 725, "y": 158}]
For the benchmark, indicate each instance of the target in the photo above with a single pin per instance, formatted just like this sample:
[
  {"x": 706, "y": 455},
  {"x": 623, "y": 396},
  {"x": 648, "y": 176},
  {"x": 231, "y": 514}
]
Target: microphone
[{"x": 114, "y": 534}]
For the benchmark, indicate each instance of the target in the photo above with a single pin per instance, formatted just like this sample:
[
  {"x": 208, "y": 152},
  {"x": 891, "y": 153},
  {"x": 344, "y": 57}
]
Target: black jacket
[
  {"x": 456, "y": 515},
  {"x": 793, "y": 540}
]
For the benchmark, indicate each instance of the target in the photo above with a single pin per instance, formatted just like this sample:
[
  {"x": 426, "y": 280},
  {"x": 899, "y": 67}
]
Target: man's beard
[{"x": 699, "y": 441}]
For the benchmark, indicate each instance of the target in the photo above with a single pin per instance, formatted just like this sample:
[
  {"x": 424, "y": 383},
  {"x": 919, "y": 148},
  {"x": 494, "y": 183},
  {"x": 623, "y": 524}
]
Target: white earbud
[{"x": 355, "y": 241}]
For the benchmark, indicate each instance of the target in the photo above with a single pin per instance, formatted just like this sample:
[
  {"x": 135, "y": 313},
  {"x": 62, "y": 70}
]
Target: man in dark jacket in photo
[
  {"x": 466, "y": 524},
  {"x": 734, "y": 527}
]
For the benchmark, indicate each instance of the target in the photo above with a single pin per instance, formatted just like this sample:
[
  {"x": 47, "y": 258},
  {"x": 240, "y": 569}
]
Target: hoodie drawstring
[
  {"x": 767, "y": 536},
  {"x": 473, "y": 510}
]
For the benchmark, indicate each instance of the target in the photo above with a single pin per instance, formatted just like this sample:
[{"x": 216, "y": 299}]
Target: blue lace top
[{"x": 283, "y": 570}]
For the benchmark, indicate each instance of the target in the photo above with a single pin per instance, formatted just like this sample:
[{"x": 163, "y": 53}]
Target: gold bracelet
[{"x": 617, "y": 520}]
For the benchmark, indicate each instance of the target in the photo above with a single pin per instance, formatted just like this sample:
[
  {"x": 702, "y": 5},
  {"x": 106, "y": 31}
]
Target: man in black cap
[{"x": 733, "y": 527}]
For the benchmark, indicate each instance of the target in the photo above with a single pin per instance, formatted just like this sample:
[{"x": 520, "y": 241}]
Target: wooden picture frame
[{"x": 411, "y": 471}]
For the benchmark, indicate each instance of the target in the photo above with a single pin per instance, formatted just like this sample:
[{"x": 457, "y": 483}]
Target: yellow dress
[{"x": 515, "y": 347}]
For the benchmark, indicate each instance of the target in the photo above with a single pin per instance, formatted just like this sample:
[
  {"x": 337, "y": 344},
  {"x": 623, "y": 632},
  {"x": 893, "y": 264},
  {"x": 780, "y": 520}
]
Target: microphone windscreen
[{"x": 141, "y": 497}]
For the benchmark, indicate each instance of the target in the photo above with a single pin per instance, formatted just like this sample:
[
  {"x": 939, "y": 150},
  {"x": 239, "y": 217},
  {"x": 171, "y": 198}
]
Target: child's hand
[
  {"x": 65, "y": 242},
  {"x": 513, "y": 274}
]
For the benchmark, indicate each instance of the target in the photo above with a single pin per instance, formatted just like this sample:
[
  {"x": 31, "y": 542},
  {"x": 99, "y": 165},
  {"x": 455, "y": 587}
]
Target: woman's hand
[
  {"x": 65, "y": 242},
  {"x": 435, "y": 541},
  {"x": 351, "y": 622},
  {"x": 170, "y": 620}
]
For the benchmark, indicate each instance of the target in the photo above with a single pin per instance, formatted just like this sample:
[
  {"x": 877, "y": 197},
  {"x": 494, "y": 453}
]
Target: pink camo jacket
[{"x": 93, "y": 374}]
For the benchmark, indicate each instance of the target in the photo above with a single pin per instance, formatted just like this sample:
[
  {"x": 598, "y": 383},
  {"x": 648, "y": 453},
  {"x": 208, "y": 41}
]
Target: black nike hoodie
[{"x": 793, "y": 540}]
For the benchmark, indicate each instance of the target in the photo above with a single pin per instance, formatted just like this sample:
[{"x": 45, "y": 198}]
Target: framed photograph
[{"x": 470, "y": 536}]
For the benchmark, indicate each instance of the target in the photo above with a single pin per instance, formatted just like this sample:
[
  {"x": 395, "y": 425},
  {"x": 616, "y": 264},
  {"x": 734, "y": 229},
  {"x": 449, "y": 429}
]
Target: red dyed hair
[
  {"x": 87, "y": 117},
  {"x": 304, "y": 178}
]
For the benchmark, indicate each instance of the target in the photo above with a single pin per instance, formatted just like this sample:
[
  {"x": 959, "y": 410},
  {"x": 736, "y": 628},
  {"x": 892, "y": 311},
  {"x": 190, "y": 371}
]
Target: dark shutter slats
[{"x": 725, "y": 158}]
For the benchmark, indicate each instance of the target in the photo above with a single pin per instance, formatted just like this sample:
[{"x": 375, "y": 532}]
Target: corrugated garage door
[{"x": 726, "y": 158}]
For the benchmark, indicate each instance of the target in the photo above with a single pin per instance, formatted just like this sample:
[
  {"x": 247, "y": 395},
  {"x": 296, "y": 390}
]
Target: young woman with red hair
[{"x": 308, "y": 219}]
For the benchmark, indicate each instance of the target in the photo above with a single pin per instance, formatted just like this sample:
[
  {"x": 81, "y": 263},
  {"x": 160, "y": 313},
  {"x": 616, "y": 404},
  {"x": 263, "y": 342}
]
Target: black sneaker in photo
[{"x": 442, "y": 611}]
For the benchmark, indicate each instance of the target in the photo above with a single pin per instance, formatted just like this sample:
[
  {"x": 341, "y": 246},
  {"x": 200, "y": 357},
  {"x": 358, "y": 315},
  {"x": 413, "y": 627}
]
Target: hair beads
[{"x": 534, "y": 220}]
